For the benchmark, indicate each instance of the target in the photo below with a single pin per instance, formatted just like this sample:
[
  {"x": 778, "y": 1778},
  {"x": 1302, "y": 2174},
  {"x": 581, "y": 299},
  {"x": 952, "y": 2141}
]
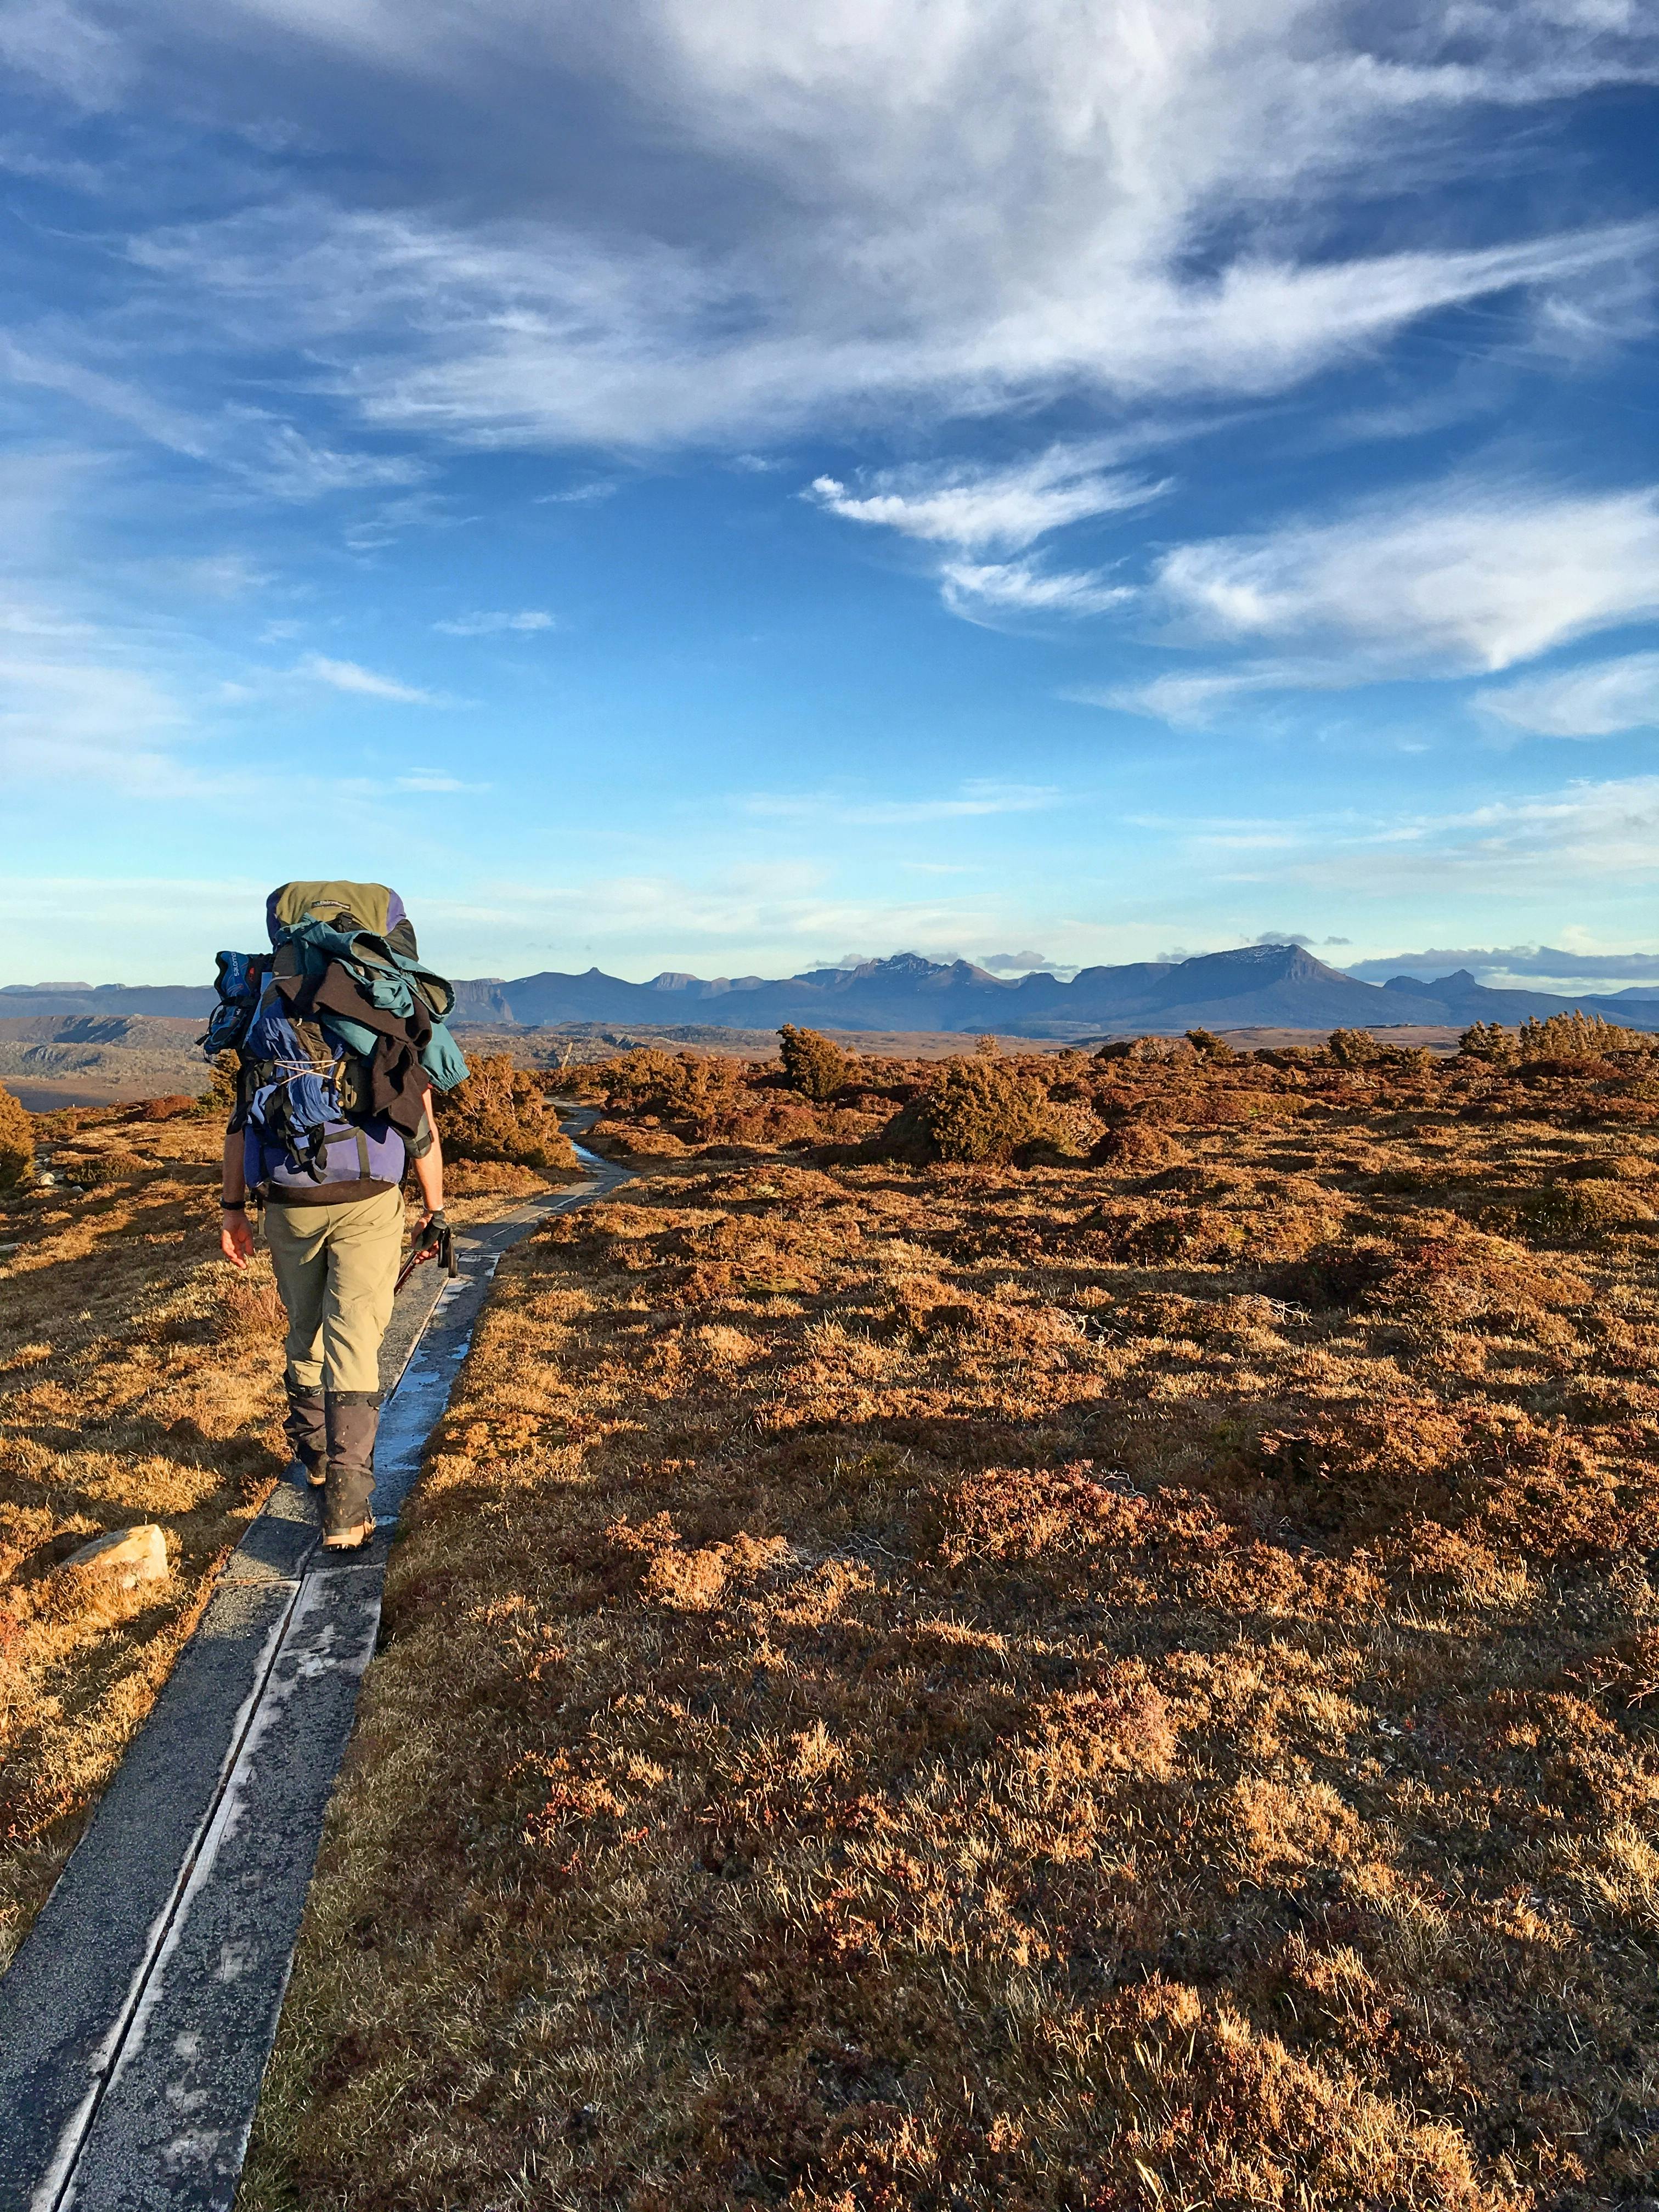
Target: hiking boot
[
  {"x": 349, "y": 1539},
  {"x": 307, "y": 1431},
  {"x": 353, "y": 1416}
]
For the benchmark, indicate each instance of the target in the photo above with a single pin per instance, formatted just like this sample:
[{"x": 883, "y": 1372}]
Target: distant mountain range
[{"x": 1255, "y": 986}]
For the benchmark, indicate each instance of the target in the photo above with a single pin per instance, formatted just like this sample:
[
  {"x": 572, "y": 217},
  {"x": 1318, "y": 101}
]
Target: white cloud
[
  {"x": 348, "y": 676},
  {"x": 1470, "y": 578},
  {"x": 978, "y": 798},
  {"x": 215, "y": 576},
  {"x": 433, "y": 779},
  {"x": 1604, "y": 831},
  {"x": 1578, "y": 967},
  {"x": 1025, "y": 963},
  {"x": 289, "y": 466},
  {"x": 1198, "y": 699},
  {"x": 498, "y": 337},
  {"x": 1004, "y": 509},
  {"x": 415, "y": 510},
  {"x": 81, "y": 715},
  {"x": 964, "y": 206},
  {"x": 1010, "y": 507},
  {"x": 733, "y": 921},
  {"x": 20, "y": 160},
  {"x": 1597, "y": 702},
  {"x": 119, "y": 397},
  {"x": 980, "y": 591},
  {"x": 489, "y": 625},
  {"x": 91, "y": 712},
  {"x": 578, "y": 495},
  {"x": 1586, "y": 835},
  {"x": 61, "y": 44}
]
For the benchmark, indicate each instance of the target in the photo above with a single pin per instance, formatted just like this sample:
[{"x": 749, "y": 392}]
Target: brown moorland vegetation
[
  {"x": 1121, "y": 1677},
  {"x": 500, "y": 1116},
  {"x": 140, "y": 1381}
]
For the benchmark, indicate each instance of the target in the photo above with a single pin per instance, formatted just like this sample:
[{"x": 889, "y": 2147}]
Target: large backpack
[{"x": 304, "y": 1084}]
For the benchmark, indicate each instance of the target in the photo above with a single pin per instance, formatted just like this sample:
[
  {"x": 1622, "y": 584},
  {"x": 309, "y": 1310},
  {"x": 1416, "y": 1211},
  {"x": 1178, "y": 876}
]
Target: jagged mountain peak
[{"x": 898, "y": 969}]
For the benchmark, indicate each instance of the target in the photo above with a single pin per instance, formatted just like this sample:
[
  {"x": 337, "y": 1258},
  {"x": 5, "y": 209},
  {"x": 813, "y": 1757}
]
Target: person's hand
[
  {"x": 236, "y": 1238},
  {"x": 427, "y": 1235}
]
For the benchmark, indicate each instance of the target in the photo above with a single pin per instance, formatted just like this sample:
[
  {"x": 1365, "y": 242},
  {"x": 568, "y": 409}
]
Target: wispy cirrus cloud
[
  {"x": 1193, "y": 699},
  {"x": 69, "y": 49},
  {"x": 1584, "y": 836},
  {"x": 433, "y": 780},
  {"x": 972, "y": 510},
  {"x": 1597, "y": 702},
  {"x": 1463, "y": 578},
  {"x": 278, "y": 459},
  {"x": 526, "y": 621},
  {"x": 983, "y": 590},
  {"x": 984, "y": 508},
  {"x": 974, "y": 209},
  {"x": 975, "y": 800},
  {"x": 366, "y": 683}
]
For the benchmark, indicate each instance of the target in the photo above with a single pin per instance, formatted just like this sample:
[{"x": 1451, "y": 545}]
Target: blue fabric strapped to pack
[
  {"x": 298, "y": 1131},
  {"x": 241, "y": 977}
]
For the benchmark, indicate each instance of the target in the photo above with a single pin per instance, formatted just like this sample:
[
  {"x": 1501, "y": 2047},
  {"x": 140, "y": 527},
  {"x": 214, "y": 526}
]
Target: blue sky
[{"x": 705, "y": 485}]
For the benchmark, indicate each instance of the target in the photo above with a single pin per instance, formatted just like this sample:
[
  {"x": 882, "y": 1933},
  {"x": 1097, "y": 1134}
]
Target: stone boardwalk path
[{"x": 136, "y": 2019}]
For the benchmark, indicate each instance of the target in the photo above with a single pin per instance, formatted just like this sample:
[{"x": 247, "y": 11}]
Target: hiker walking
[{"x": 340, "y": 1036}]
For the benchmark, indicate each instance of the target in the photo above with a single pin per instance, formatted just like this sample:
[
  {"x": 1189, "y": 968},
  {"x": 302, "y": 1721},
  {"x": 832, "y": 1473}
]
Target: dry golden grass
[
  {"x": 140, "y": 1380},
  {"x": 1084, "y": 1686}
]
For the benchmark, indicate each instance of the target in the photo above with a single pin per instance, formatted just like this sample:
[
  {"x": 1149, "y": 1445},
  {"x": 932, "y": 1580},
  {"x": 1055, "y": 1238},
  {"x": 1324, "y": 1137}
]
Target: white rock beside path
[{"x": 130, "y": 1555}]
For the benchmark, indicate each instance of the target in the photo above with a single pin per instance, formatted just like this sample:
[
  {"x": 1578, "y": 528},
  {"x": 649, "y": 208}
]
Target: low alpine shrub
[
  {"x": 977, "y": 1110},
  {"x": 811, "y": 1064},
  {"x": 501, "y": 1113},
  {"x": 17, "y": 1141}
]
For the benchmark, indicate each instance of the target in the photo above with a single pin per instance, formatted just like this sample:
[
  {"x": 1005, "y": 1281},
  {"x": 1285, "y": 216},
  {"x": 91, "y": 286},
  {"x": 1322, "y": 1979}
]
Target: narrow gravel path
[{"x": 136, "y": 2019}]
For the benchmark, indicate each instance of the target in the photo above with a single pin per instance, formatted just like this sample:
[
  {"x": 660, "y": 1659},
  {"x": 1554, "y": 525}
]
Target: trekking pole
[{"x": 446, "y": 1252}]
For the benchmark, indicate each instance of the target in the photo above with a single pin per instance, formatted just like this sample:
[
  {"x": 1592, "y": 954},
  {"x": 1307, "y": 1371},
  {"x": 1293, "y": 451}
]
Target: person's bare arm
[
  {"x": 429, "y": 1176},
  {"x": 235, "y": 1235}
]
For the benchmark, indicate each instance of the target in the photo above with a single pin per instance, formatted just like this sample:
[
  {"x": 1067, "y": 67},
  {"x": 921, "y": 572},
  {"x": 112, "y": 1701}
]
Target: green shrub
[
  {"x": 1490, "y": 1042},
  {"x": 1208, "y": 1046},
  {"x": 501, "y": 1113},
  {"x": 1135, "y": 1048},
  {"x": 973, "y": 1110},
  {"x": 700, "y": 1091},
  {"x": 811, "y": 1064},
  {"x": 218, "y": 1101},
  {"x": 1354, "y": 1048},
  {"x": 17, "y": 1141},
  {"x": 1578, "y": 1037}
]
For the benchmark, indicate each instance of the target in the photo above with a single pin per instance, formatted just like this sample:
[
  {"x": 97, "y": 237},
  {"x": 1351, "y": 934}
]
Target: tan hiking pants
[{"x": 336, "y": 1269}]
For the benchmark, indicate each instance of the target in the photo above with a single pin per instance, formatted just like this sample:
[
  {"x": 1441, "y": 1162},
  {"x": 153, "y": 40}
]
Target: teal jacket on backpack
[{"x": 390, "y": 980}]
